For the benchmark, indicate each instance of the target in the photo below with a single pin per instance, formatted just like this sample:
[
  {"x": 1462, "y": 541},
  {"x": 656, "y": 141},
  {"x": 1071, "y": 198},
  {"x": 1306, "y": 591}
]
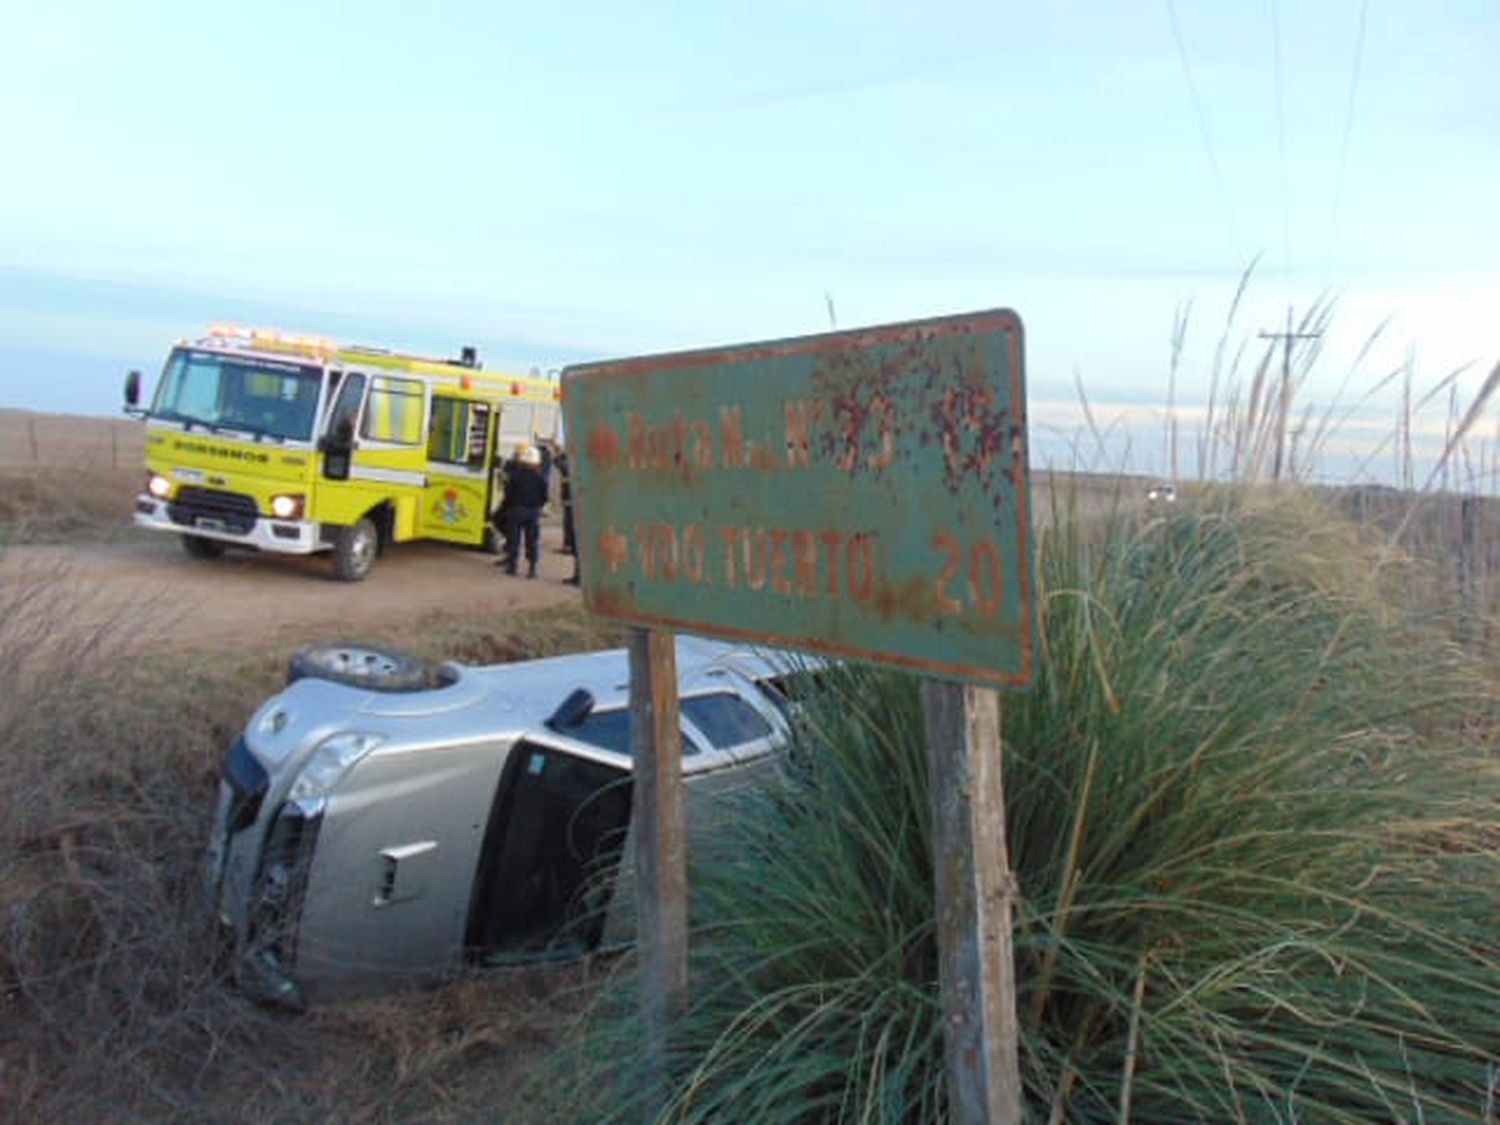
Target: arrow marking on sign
[{"x": 614, "y": 548}]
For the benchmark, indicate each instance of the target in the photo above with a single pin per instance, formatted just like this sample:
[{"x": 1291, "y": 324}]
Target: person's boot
[{"x": 530, "y": 570}]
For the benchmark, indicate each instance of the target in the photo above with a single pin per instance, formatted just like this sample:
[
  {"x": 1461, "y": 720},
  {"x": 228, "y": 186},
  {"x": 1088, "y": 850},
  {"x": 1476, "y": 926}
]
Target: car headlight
[
  {"x": 333, "y": 758},
  {"x": 288, "y": 506},
  {"x": 158, "y": 485}
]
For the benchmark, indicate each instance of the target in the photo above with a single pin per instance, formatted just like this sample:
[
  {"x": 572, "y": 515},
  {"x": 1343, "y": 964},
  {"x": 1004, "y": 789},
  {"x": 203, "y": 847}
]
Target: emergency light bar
[{"x": 271, "y": 338}]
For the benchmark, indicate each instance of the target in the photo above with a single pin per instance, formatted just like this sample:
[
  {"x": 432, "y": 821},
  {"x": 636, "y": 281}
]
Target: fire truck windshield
[{"x": 231, "y": 392}]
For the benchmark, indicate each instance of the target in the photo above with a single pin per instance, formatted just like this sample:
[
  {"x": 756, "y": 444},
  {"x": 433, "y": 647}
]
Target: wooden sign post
[
  {"x": 862, "y": 494},
  {"x": 657, "y": 812},
  {"x": 975, "y": 893}
]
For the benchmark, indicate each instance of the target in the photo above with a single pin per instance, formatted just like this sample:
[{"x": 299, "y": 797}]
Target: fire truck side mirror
[
  {"x": 132, "y": 388},
  {"x": 337, "y": 447},
  {"x": 340, "y": 439}
]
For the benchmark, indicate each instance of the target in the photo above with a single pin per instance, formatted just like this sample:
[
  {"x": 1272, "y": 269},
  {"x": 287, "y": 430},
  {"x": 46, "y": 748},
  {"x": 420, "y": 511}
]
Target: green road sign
[{"x": 861, "y": 493}]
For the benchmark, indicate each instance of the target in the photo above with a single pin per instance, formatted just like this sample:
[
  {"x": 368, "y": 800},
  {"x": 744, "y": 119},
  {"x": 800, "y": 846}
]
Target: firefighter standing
[
  {"x": 500, "y": 517},
  {"x": 521, "y": 509}
]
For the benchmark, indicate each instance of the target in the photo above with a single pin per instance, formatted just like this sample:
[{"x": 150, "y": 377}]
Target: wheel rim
[
  {"x": 352, "y": 660},
  {"x": 362, "y": 548}
]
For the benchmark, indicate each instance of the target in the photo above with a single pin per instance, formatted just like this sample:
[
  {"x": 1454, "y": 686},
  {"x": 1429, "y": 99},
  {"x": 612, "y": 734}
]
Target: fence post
[{"x": 1468, "y": 568}]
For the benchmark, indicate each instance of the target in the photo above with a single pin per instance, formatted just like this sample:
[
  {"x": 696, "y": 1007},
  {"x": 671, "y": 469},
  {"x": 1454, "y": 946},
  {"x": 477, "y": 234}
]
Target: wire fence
[
  {"x": 65, "y": 441},
  {"x": 1455, "y": 536}
]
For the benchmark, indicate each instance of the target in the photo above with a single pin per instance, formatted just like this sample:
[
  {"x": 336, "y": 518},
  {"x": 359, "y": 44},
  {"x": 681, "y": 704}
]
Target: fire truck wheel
[
  {"x": 361, "y": 665},
  {"x": 201, "y": 548},
  {"x": 354, "y": 552}
]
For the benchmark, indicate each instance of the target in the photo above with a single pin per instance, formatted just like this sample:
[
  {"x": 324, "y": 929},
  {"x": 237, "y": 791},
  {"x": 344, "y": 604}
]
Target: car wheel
[
  {"x": 355, "y": 550},
  {"x": 201, "y": 548},
  {"x": 361, "y": 665}
]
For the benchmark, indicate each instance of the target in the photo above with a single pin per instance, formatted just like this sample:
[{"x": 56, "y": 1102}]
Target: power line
[
  {"x": 1286, "y": 221},
  {"x": 1338, "y": 189},
  {"x": 1203, "y": 130}
]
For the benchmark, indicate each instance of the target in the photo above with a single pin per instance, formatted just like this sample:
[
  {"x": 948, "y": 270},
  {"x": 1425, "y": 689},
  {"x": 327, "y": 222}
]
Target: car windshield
[
  {"x": 260, "y": 396},
  {"x": 725, "y": 719},
  {"x": 610, "y": 730}
]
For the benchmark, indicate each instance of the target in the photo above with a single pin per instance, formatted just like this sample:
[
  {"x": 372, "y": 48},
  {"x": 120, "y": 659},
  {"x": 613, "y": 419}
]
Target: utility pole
[{"x": 1284, "y": 407}]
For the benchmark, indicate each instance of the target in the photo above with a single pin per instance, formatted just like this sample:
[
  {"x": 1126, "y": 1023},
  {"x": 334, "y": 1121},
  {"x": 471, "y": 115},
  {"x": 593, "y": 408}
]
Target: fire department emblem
[{"x": 449, "y": 508}]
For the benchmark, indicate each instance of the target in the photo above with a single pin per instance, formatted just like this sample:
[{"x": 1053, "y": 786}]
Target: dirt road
[{"x": 163, "y": 598}]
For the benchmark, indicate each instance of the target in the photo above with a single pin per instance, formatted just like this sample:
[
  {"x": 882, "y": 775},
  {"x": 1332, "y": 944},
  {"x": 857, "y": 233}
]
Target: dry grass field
[
  {"x": 67, "y": 477},
  {"x": 112, "y": 725},
  {"x": 54, "y": 505},
  {"x": 29, "y": 440},
  {"x": 112, "y": 1005}
]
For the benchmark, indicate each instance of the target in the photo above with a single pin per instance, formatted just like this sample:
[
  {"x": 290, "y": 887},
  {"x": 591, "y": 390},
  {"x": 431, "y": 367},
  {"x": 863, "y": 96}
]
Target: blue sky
[{"x": 568, "y": 181}]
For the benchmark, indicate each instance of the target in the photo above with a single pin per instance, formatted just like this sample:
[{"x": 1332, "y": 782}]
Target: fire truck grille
[{"x": 212, "y": 510}]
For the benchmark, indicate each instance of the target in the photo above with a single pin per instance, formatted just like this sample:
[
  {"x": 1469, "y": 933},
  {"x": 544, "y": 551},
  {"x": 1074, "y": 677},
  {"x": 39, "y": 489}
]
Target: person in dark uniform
[
  {"x": 565, "y": 497},
  {"x": 521, "y": 509},
  {"x": 500, "y": 517},
  {"x": 549, "y": 452}
]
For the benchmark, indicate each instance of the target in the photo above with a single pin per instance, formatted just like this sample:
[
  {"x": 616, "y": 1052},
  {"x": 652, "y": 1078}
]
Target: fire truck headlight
[
  {"x": 287, "y": 507},
  {"x": 159, "y": 486}
]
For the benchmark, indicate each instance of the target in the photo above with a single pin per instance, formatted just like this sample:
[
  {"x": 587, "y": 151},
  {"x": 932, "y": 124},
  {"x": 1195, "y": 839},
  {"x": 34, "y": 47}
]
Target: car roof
[{"x": 605, "y": 674}]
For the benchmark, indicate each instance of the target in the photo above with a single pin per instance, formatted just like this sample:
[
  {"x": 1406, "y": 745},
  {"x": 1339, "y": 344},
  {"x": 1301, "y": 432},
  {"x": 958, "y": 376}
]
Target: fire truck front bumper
[{"x": 237, "y": 525}]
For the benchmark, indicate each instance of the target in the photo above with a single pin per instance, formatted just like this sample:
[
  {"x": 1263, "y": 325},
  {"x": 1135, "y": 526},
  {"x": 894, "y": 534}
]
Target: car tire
[
  {"x": 200, "y": 548},
  {"x": 356, "y": 664},
  {"x": 355, "y": 550}
]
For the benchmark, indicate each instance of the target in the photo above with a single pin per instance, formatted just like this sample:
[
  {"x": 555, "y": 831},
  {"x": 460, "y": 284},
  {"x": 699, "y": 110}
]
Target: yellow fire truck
[{"x": 295, "y": 444}]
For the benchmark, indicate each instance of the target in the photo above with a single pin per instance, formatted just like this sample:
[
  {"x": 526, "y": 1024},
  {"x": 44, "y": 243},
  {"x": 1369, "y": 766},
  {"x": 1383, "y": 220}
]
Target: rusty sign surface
[{"x": 861, "y": 493}]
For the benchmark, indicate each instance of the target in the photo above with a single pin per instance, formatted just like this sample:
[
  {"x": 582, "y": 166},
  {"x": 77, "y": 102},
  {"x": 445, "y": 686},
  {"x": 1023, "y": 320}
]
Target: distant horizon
[
  {"x": 556, "y": 186},
  {"x": 1134, "y": 445}
]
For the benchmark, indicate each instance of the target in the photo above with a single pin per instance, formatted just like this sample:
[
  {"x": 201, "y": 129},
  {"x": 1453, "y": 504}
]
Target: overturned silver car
[{"x": 380, "y": 822}]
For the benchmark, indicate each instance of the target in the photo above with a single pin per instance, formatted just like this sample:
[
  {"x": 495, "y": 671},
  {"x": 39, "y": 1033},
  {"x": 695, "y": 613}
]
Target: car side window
[
  {"x": 610, "y": 730},
  {"x": 725, "y": 719}
]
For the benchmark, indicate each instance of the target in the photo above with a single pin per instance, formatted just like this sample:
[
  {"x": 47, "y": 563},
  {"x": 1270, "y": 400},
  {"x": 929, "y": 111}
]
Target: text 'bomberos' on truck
[{"x": 295, "y": 444}]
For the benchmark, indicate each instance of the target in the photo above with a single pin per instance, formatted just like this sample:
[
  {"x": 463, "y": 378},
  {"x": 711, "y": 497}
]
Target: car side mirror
[
  {"x": 572, "y": 711},
  {"x": 132, "y": 388}
]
